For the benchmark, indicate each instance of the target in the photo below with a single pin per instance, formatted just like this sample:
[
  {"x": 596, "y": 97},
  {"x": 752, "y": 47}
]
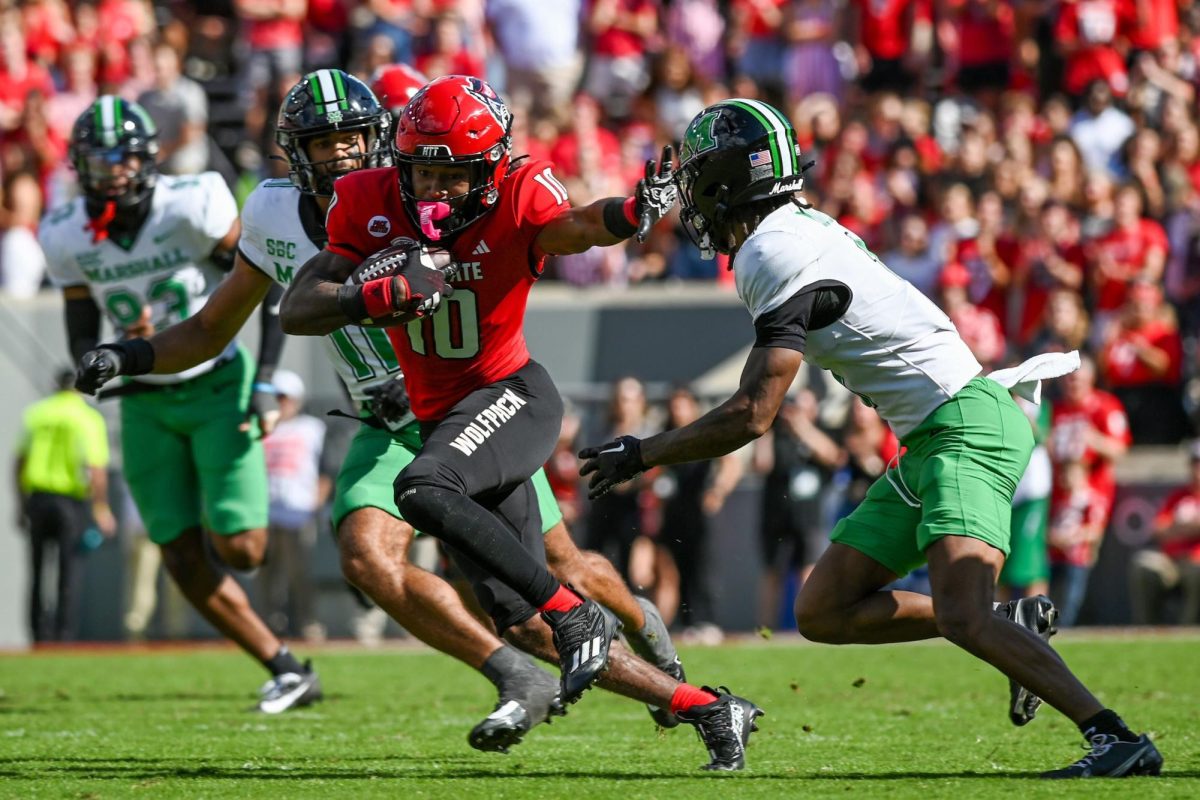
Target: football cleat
[
  {"x": 663, "y": 717},
  {"x": 582, "y": 637},
  {"x": 1109, "y": 757},
  {"x": 290, "y": 690},
  {"x": 518, "y": 710},
  {"x": 724, "y": 726},
  {"x": 1039, "y": 615}
]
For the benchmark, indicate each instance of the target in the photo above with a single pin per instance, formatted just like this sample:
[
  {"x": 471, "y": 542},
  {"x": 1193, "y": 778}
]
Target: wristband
[
  {"x": 619, "y": 218},
  {"x": 377, "y": 297},
  {"x": 137, "y": 356},
  {"x": 350, "y": 299}
]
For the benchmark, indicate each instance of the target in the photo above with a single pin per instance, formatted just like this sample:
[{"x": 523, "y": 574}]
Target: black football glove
[
  {"x": 655, "y": 194},
  {"x": 424, "y": 287},
  {"x": 613, "y": 463},
  {"x": 389, "y": 402},
  {"x": 98, "y": 367}
]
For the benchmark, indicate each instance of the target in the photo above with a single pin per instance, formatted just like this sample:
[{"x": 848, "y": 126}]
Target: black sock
[
  {"x": 1107, "y": 722},
  {"x": 502, "y": 665},
  {"x": 282, "y": 662}
]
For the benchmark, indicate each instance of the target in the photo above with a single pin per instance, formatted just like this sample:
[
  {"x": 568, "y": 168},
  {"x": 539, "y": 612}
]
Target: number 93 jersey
[
  {"x": 166, "y": 265},
  {"x": 281, "y": 229},
  {"x": 476, "y": 337},
  {"x": 891, "y": 345}
]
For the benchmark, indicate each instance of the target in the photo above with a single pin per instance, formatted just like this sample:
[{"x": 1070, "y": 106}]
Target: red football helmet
[
  {"x": 395, "y": 84},
  {"x": 459, "y": 120}
]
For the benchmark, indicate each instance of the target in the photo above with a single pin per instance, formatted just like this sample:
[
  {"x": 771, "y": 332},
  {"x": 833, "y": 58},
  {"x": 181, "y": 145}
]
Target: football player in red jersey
[
  {"x": 490, "y": 415},
  {"x": 395, "y": 85}
]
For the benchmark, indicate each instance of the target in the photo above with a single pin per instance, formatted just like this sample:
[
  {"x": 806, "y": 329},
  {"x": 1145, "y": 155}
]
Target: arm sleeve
[
  {"x": 271, "y": 342},
  {"x": 812, "y": 308},
  {"x": 82, "y": 317}
]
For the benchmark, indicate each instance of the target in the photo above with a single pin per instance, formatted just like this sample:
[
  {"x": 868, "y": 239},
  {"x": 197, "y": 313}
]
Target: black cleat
[
  {"x": 1109, "y": 757},
  {"x": 724, "y": 726},
  {"x": 582, "y": 637},
  {"x": 519, "y": 709},
  {"x": 1039, "y": 615},
  {"x": 290, "y": 690},
  {"x": 663, "y": 717}
]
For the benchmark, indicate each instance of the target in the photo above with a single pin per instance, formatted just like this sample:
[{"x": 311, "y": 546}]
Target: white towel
[{"x": 1026, "y": 378}]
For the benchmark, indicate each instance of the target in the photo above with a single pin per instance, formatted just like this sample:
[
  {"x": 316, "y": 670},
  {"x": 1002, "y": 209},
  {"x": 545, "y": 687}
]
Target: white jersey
[
  {"x": 893, "y": 347},
  {"x": 277, "y": 240},
  {"x": 166, "y": 267}
]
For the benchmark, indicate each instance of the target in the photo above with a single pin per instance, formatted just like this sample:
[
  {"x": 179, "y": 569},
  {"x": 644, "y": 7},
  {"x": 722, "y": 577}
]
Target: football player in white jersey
[
  {"x": 815, "y": 291},
  {"x": 331, "y": 124},
  {"x": 147, "y": 249}
]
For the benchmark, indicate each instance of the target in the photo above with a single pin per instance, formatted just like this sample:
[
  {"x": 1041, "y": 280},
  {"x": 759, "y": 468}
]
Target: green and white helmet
[
  {"x": 113, "y": 147},
  {"x": 734, "y": 152}
]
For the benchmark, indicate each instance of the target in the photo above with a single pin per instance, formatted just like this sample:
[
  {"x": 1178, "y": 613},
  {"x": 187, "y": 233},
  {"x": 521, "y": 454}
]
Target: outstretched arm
[{"x": 747, "y": 415}]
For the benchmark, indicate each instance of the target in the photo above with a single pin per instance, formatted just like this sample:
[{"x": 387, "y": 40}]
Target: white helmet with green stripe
[
  {"x": 113, "y": 148},
  {"x": 734, "y": 153},
  {"x": 324, "y": 101}
]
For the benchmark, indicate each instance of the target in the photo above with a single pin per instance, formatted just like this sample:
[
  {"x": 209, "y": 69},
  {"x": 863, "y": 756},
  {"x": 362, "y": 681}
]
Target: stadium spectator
[
  {"x": 1142, "y": 362},
  {"x": 1171, "y": 564},
  {"x": 1078, "y": 518},
  {"x": 698, "y": 26},
  {"x": 179, "y": 109},
  {"x": 1064, "y": 325},
  {"x": 797, "y": 459},
  {"x": 449, "y": 53},
  {"x": 892, "y": 40},
  {"x": 1136, "y": 247},
  {"x": 22, "y": 262},
  {"x": 811, "y": 30},
  {"x": 274, "y": 33},
  {"x": 615, "y": 520},
  {"x": 622, "y": 35},
  {"x": 19, "y": 75},
  {"x": 914, "y": 260},
  {"x": 298, "y": 491},
  {"x": 977, "y": 326},
  {"x": 79, "y": 91},
  {"x": 539, "y": 44},
  {"x": 870, "y": 447},
  {"x": 690, "y": 496},
  {"x": 1087, "y": 35},
  {"x": 1050, "y": 259},
  {"x": 1100, "y": 130},
  {"x": 62, "y": 481}
]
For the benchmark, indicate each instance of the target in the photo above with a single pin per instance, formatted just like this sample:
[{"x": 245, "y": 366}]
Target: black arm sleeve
[
  {"x": 271, "y": 343},
  {"x": 82, "y": 317},
  {"x": 814, "y": 307}
]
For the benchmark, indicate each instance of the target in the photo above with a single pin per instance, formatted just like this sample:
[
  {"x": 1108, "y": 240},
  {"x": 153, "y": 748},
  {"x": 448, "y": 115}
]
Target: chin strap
[{"x": 99, "y": 225}]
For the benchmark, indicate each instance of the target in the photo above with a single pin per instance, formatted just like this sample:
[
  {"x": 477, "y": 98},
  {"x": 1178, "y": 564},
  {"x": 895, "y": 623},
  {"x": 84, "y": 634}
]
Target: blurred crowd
[{"x": 1032, "y": 165}]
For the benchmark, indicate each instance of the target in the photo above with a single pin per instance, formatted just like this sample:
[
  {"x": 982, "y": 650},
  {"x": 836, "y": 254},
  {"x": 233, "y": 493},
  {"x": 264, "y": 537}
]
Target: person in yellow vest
[{"x": 62, "y": 485}]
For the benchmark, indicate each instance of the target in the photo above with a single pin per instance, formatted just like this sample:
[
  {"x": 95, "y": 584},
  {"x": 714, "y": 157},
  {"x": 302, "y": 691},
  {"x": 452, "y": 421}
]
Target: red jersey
[
  {"x": 885, "y": 26},
  {"x": 477, "y": 336},
  {"x": 1123, "y": 368},
  {"x": 1093, "y": 26},
  {"x": 1183, "y": 507},
  {"x": 1129, "y": 247},
  {"x": 1072, "y": 516},
  {"x": 1103, "y": 412}
]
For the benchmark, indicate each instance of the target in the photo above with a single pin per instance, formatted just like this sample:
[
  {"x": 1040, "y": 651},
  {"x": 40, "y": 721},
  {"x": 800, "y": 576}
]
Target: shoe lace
[
  {"x": 1097, "y": 744},
  {"x": 717, "y": 724}
]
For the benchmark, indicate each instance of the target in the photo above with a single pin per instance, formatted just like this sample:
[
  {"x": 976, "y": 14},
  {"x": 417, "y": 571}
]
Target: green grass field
[{"x": 902, "y": 721}]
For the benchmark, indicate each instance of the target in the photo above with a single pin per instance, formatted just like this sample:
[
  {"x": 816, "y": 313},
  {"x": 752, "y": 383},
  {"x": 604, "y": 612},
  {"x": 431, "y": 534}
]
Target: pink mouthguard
[{"x": 431, "y": 213}]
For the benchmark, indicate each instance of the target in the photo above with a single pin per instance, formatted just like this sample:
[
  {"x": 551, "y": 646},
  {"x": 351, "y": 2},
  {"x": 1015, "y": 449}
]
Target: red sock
[
  {"x": 687, "y": 696},
  {"x": 563, "y": 600}
]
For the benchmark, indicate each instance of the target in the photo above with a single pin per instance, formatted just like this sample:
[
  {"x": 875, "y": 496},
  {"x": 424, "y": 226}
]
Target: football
[{"x": 389, "y": 261}]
